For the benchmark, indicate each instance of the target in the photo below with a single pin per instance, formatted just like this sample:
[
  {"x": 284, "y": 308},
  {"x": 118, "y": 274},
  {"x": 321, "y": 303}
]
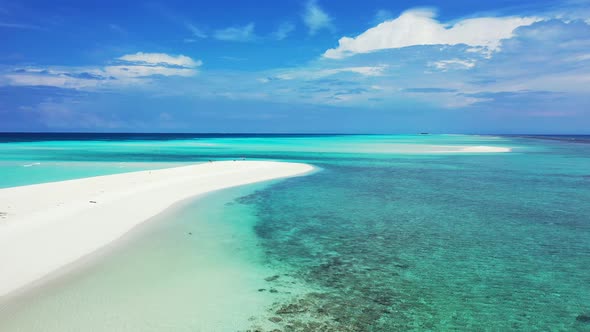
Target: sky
[{"x": 311, "y": 66}]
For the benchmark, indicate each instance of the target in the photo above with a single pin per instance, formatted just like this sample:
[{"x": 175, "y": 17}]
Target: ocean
[{"x": 391, "y": 233}]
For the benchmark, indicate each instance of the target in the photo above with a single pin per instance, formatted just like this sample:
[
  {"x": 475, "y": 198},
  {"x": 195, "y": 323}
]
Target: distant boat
[{"x": 424, "y": 133}]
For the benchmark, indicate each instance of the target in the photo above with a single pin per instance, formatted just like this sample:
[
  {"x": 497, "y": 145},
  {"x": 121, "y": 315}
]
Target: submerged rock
[
  {"x": 383, "y": 300},
  {"x": 583, "y": 318},
  {"x": 291, "y": 308},
  {"x": 402, "y": 265},
  {"x": 273, "y": 278}
]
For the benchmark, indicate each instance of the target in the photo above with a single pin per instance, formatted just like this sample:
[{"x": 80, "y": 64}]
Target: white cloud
[
  {"x": 452, "y": 64},
  {"x": 136, "y": 69},
  {"x": 59, "y": 80},
  {"x": 121, "y": 72},
  {"x": 315, "y": 18},
  {"x": 237, "y": 33},
  {"x": 161, "y": 59},
  {"x": 419, "y": 27}
]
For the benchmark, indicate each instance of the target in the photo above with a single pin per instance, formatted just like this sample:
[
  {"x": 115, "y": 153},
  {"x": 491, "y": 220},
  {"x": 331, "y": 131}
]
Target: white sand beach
[{"x": 46, "y": 226}]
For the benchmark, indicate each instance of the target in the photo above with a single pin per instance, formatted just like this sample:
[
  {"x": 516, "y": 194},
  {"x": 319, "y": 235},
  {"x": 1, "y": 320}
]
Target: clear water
[{"x": 390, "y": 235}]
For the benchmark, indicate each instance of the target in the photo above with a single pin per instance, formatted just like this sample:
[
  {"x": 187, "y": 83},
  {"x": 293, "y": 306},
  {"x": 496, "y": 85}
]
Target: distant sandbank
[
  {"x": 44, "y": 227},
  {"x": 471, "y": 149}
]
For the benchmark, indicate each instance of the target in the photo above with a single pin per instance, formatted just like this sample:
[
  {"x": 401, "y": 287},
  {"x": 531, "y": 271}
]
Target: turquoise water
[
  {"x": 391, "y": 235},
  {"x": 58, "y": 158}
]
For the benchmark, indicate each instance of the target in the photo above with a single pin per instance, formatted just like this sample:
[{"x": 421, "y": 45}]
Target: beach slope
[{"x": 46, "y": 226}]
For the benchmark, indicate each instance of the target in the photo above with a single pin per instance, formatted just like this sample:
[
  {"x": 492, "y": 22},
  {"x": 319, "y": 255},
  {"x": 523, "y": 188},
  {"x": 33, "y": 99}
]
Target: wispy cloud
[
  {"x": 315, "y": 18},
  {"x": 382, "y": 15},
  {"x": 195, "y": 31},
  {"x": 19, "y": 26},
  {"x": 314, "y": 74},
  {"x": 128, "y": 70},
  {"x": 232, "y": 58},
  {"x": 52, "y": 77},
  {"x": 117, "y": 28},
  {"x": 452, "y": 64},
  {"x": 283, "y": 31},
  {"x": 243, "y": 33},
  {"x": 429, "y": 90},
  {"x": 419, "y": 27},
  {"x": 139, "y": 71}
]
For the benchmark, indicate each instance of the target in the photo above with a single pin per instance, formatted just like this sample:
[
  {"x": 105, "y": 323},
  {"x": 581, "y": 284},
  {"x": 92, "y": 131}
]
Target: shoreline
[
  {"x": 51, "y": 225},
  {"x": 211, "y": 278}
]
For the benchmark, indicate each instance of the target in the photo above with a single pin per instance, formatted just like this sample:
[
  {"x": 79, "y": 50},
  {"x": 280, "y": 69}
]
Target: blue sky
[{"x": 296, "y": 66}]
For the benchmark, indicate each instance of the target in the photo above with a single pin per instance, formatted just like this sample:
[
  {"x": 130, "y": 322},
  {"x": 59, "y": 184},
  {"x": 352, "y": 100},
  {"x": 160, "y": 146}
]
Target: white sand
[
  {"x": 485, "y": 149},
  {"x": 471, "y": 149},
  {"x": 46, "y": 226}
]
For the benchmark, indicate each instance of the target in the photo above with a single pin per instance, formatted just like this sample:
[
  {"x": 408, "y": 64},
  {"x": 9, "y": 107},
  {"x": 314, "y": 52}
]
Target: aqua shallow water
[{"x": 389, "y": 235}]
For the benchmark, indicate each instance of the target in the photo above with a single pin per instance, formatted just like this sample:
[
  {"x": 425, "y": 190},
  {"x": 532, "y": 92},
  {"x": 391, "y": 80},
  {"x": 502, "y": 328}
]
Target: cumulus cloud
[
  {"x": 236, "y": 33},
  {"x": 315, "y": 18},
  {"x": 419, "y": 27},
  {"x": 546, "y": 56}
]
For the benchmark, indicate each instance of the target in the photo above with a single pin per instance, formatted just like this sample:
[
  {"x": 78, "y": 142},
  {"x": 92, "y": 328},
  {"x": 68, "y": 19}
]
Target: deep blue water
[{"x": 41, "y": 136}]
